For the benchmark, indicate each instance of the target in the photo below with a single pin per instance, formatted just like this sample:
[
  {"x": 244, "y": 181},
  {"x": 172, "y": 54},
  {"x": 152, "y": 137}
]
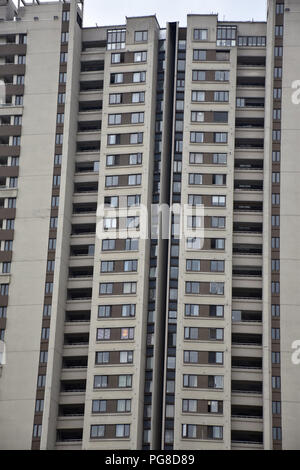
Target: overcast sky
[{"x": 104, "y": 12}]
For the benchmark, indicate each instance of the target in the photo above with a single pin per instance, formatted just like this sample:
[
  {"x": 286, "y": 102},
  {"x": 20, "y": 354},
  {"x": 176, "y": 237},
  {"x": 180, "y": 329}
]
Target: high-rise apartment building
[{"x": 137, "y": 341}]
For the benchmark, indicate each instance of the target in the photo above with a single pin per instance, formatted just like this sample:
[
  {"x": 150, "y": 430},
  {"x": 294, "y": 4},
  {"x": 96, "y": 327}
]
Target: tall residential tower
[{"x": 154, "y": 342}]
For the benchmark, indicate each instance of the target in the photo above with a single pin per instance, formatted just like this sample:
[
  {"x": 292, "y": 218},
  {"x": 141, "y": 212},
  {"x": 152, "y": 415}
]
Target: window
[
  {"x": 276, "y": 135},
  {"x": 60, "y": 118},
  {"x": 200, "y": 34},
  {"x": 107, "y": 266},
  {"x": 39, "y": 406},
  {"x": 192, "y": 287},
  {"x": 134, "y": 180},
  {"x": 222, "y": 75},
  {"x": 116, "y": 78},
  {"x": 123, "y": 406},
  {"x": 216, "y": 288},
  {"x": 215, "y": 432},
  {"x": 220, "y": 137},
  {"x": 8, "y": 245},
  {"x": 278, "y": 31},
  {"x": 226, "y": 36},
  {"x": 61, "y": 98},
  {"x": 278, "y": 51},
  {"x": 100, "y": 381},
  {"x": 276, "y": 407},
  {"x": 43, "y": 357},
  {"x": 137, "y": 118},
  {"x": 193, "y": 265},
  {"x": 277, "y": 72},
  {"x": 135, "y": 159},
  {"x": 37, "y": 430},
  {"x": 108, "y": 245},
  {"x": 275, "y": 220},
  {"x": 49, "y": 288},
  {"x": 220, "y": 116},
  {"x": 216, "y": 311},
  {"x": 194, "y": 200},
  {"x": 198, "y": 96},
  {"x": 114, "y": 119},
  {"x": 136, "y": 138},
  {"x": 115, "y": 98},
  {"x": 66, "y": 16},
  {"x": 196, "y": 158},
  {"x": 16, "y": 140},
  {"x": 128, "y": 310},
  {"x": 13, "y": 182},
  {"x": 197, "y": 116},
  {"x": 276, "y": 311},
  {"x": 56, "y": 181},
  {"x": 189, "y": 431},
  {"x": 254, "y": 41},
  {"x": 105, "y": 288},
  {"x": 104, "y": 311},
  {"x": 133, "y": 222},
  {"x": 218, "y": 201},
  {"x": 64, "y": 37},
  {"x": 116, "y": 39},
  {"x": 6, "y": 267},
  {"x": 275, "y": 334},
  {"x": 117, "y": 58},
  {"x": 47, "y": 310},
  {"x": 125, "y": 381},
  {"x": 277, "y": 114},
  {"x": 122, "y": 430},
  {"x": 277, "y": 434},
  {"x": 134, "y": 201},
  {"x": 215, "y": 357},
  {"x": 126, "y": 357},
  {"x": 279, "y": 8},
  {"x": 4, "y": 288},
  {"x": 99, "y": 406},
  {"x": 217, "y": 266},
  {"x": 20, "y": 79},
  {"x": 103, "y": 334},
  {"x": 17, "y": 120},
  {"x": 63, "y": 57},
  {"x": 57, "y": 159},
  {"x": 138, "y": 97},
  {"x": 140, "y": 56},
  {"x": 130, "y": 265},
  {"x": 50, "y": 266},
  {"x": 199, "y": 54},
  {"x": 141, "y": 36},
  {"x": 21, "y": 59},
  {"x": 277, "y": 92},
  {"x": 197, "y": 137},
  {"x": 45, "y": 333},
  {"x": 102, "y": 357},
  {"x": 41, "y": 381},
  {"x": 139, "y": 77},
  {"x": 190, "y": 381},
  {"x": 191, "y": 310},
  {"x": 221, "y": 96},
  {"x": 111, "y": 181},
  {"x": 97, "y": 431},
  {"x": 199, "y": 75},
  {"x": 127, "y": 333},
  {"x": 275, "y": 357},
  {"x": 129, "y": 288}
]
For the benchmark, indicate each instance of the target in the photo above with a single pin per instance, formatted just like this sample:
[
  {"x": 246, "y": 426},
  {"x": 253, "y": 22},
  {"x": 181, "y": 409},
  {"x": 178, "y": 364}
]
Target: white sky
[
  {"x": 113, "y": 12},
  {"x": 105, "y": 12}
]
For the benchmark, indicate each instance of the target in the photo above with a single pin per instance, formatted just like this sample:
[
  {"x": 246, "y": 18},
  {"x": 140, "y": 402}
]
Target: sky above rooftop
[
  {"x": 104, "y": 12},
  {"x": 107, "y": 13}
]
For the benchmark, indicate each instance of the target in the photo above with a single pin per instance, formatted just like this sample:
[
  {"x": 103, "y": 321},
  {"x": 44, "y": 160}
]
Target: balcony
[
  {"x": 248, "y": 185},
  {"x": 76, "y": 339},
  {"x": 89, "y": 126},
  {"x": 92, "y": 146},
  {"x": 83, "y": 229},
  {"x": 85, "y": 208},
  {"x": 246, "y": 339},
  {"x": 73, "y": 386},
  {"x": 251, "y": 61},
  {"x": 250, "y": 103},
  {"x": 80, "y": 316},
  {"x": 82, "y": 250},
  {"x": 87, "y": 167},
  {"x": 93, "y": 85},
  {"x": 256, "y": 82},
  {"x": 88, "y": 187},
  {"x": 90, "y": 106},
  {"x": 247, "y": 387},
  {"x": 247, "y": 437},
  {"x": 251, "y": 206},
  {"x": 74, "y": 362},
  {"x": 246, "y": 293},
  {"x": 247, "y": 271},
  {"x": 246, "y": 316},
  {"x": 246, "y": 362},
  {"x": 255, "y": 165},
  {"x": 92, "y": 66},
  {"x": 249, "y": 144},
  {"x": 69, "y": 435},
  {"x": 252, "y": 412},
  {"x": 247, "y": 227},
  {"x": 79, "y": 294},
  {"x": 71, "y": 410},
  {"x": 250, "y": 123}
]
